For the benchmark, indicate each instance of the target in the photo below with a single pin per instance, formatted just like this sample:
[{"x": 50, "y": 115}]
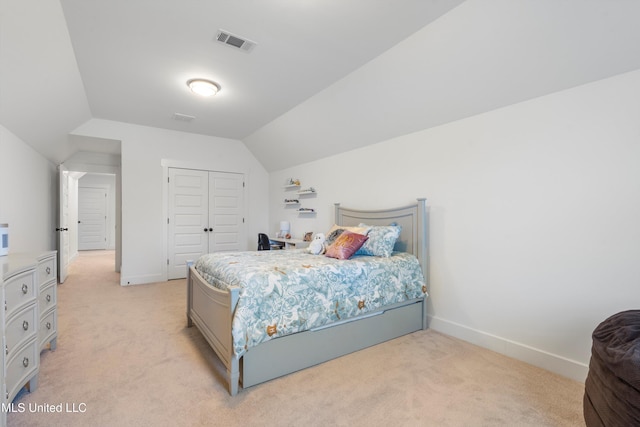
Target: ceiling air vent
[
  {"x": 182, "y": 117},
  {"x": 235, "y": 41}
]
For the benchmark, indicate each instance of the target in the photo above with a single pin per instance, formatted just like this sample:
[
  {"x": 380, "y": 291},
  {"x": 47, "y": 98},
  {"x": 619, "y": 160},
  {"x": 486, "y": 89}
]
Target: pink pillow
[{"x": 346, "y": 245}]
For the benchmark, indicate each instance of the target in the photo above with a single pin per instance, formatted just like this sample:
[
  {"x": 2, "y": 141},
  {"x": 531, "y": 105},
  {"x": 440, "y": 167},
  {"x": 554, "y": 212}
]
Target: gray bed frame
[{"x": 211, "y": 310}]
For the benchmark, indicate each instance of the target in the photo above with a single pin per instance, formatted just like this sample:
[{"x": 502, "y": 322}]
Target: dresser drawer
[
  {"x": 47, "y": 298},
  {"x": 19, "y": 290},
  {"x": 20, "y": 329},
  {"x": 48, "y": 327},
  {"x": 21, "y": 368},
  {"x": 46, "y": 270}
]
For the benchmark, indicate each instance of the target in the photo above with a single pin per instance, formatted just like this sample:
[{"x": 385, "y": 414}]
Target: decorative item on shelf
[
  {"x": 291, "y": 201},
  {"x": 307, "y": 236},
  {"x": 292, "y": 182},
  {"x": 306, "y": 210},
  {"x": 309, "y": 190}
]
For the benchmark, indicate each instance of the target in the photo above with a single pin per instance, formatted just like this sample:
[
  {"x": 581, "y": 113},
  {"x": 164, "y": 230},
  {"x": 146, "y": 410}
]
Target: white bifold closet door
[{"x": 205, "y": 215}]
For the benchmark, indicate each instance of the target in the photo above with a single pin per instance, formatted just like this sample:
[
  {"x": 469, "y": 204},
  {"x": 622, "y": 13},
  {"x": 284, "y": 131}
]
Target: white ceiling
[
  {"x": 326, "y": 76},
  {"x": 135, "y": 56}
]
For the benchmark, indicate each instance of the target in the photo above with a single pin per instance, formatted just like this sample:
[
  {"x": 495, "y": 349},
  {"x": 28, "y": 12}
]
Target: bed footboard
[{"x": 211, "y": 310}]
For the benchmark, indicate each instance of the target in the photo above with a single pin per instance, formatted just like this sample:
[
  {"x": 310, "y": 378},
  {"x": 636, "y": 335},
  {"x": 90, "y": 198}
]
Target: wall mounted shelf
[{"x": 293, "y": 185}]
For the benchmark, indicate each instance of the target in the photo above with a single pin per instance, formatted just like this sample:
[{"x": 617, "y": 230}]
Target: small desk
[{"x": 290, "y": 243}]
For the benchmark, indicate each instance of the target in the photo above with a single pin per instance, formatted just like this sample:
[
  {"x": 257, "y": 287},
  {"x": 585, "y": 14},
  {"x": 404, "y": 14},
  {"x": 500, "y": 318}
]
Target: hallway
[{"x": 93, "y": 266}]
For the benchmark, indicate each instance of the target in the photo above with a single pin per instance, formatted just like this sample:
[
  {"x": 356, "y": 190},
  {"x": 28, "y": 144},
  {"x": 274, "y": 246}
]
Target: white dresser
[
  {"x": 28, "y": 321},
  {"x": 48, "y": 300}
]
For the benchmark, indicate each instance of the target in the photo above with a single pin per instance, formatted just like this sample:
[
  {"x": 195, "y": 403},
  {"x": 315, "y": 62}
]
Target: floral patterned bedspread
[{"x": 289, "y": 291}]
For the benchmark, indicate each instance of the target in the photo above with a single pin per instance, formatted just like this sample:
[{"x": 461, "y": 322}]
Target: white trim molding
[{"x": 560, "y": 365}]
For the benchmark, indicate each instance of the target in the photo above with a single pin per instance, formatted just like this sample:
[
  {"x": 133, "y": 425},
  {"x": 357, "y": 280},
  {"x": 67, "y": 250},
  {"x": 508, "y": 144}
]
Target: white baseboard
[
  {"x": 560, "y": 365},
  {"x": 141, "y": 279}
]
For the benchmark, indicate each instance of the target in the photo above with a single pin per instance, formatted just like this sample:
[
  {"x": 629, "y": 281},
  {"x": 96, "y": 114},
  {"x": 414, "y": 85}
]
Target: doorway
[
  {"x": 74, "y": 211},
  {"x": 94, "y": 156}
]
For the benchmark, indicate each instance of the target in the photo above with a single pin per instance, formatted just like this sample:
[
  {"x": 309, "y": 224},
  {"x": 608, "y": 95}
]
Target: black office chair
[{"x": 263, "y": 242}]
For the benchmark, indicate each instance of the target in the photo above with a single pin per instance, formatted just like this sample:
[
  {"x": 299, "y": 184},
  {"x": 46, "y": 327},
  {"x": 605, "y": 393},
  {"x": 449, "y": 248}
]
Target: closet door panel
[
  {"x": 188, "y": 219},
  {"x": 226, "y": 204}
]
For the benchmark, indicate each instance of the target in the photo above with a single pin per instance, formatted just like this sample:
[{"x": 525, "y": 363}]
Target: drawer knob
[
  {"x": 48, "y": 325},
  {"x": 25, "y": 325},
  {"x": 48, "y": 298},
  {"x": 25, "y": 362},
  {"x": 48, "y": 270},
  {"x": 25, "y": 289}
]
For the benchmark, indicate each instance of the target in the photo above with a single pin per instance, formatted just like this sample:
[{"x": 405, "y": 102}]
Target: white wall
[
  {"x": 144, "y": 151},
  {"x": 533, "y": 212},
  {"x": 28, "y": 192}
]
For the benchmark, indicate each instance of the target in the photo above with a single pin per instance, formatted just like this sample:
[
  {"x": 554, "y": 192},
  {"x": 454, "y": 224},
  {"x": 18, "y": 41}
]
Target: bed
[{"x": 212, "y": 307}]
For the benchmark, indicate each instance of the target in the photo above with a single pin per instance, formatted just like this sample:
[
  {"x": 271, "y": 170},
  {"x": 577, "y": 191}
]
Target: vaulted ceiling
[{"x": 324, "y": 76}]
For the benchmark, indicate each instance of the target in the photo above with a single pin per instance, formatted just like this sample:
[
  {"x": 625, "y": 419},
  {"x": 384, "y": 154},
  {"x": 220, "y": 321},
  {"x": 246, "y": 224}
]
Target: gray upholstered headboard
[{"x": 412, "y": 219}]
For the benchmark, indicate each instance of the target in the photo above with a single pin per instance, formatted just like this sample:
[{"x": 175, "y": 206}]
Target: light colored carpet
[{"x": 126, "y": 358}]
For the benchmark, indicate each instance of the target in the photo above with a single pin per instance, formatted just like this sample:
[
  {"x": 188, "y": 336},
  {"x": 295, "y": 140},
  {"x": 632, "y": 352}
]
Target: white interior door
[
  {"x": 92, "y": 218},
  {"x": 188, "y": 219},
  {"x": 63, "y": 223},
  {"x": 226, "y": 211}
]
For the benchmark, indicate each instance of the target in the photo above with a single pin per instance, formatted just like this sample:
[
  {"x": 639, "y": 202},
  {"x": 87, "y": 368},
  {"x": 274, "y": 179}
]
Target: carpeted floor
[{"x": 126, "y": 358}]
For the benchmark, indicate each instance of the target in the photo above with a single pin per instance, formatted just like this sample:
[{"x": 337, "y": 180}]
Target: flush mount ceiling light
[{"x": 203, "y": 87}]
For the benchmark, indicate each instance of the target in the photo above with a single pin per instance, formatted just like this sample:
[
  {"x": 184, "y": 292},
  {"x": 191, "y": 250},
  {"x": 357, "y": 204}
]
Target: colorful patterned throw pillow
[
  {"x": 346, "y": 245},
  {"x": 337, "y": 230}
]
